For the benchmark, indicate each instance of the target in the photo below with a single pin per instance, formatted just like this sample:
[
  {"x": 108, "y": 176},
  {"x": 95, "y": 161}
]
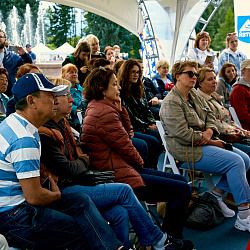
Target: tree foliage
[
  {"x": 110, "y": 33},
  {"x": 61, "y": 20}
]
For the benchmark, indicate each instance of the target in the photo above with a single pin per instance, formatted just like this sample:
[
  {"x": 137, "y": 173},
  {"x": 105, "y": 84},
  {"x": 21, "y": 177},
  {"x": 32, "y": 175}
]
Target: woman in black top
[{"x": 80, "y": 58}]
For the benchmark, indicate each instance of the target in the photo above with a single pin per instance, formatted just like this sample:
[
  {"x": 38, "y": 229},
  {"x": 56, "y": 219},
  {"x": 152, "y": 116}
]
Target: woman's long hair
[
  {"x": 81, "y": 47},
  {"x": 128, "y": 88}
]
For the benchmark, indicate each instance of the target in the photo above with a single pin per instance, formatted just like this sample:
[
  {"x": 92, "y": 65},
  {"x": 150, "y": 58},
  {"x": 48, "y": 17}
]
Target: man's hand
[
  {"x": 217, "y": 143},
  {"x": 35, "y": 194},
  {"x": 21, "y": 50}
]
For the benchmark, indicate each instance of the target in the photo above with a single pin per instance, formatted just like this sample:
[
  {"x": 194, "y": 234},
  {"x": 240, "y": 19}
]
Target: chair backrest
[
  {"x": 234, "y": 116},
  {"x": 168, "y": 156}
]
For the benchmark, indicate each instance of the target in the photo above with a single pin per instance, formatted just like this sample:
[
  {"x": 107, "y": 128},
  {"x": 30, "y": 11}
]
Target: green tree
[
  {"x": 110, "y": 33},
  {"x": 226, "y": 27},
  {"x": 61, "y": 20}
]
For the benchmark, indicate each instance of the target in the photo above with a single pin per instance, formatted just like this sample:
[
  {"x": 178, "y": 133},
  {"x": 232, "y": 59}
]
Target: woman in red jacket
[{"x": 105, "y": 136}]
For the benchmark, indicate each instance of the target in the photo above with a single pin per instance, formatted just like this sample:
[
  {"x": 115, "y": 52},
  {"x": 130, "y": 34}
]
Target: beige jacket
[{"x": 180, "y": 120}]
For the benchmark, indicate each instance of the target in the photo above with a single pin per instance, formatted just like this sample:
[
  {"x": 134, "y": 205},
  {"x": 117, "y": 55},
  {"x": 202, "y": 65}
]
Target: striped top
[{"x": 20, "y": 153}]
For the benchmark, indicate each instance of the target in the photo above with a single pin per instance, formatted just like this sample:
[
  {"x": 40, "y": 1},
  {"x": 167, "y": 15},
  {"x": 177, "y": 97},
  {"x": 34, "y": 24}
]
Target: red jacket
[
  {"x": 240, "y": 100},
  {"x": 105, "y": 137}
]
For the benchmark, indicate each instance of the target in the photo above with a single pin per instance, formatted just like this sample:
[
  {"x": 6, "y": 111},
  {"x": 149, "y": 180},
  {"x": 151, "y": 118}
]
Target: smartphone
[
  {"x": 13, "y": 48},
  {"x": 228, "y": 146},
  {"x": 46, "y": 184}
]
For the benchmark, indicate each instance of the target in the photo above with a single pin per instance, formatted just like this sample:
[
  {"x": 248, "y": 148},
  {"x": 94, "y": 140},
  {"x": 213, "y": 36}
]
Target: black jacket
[
  {"x": 57, "y": 161},
  {"x": 150, "y": 89},
  {"x": 139, "y": 113}
]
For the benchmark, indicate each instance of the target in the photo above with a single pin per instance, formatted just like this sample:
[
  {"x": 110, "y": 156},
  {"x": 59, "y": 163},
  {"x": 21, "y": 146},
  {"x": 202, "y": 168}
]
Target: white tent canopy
[
  {"x": 42, "y": 52},
  {"x": 173, "y": 20},
  {"x": 123, "y": 12},
  {"x": 66, "y": 48}
]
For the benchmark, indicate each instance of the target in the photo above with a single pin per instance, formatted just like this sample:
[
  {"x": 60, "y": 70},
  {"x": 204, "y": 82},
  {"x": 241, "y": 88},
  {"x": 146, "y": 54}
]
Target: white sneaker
[
  {"x": 227, "y": 212},
  {"x": 242, "y": 224}
]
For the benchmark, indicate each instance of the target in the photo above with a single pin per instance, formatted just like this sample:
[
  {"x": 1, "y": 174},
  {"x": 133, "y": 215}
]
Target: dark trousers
[{"x": 170, "y": 188}]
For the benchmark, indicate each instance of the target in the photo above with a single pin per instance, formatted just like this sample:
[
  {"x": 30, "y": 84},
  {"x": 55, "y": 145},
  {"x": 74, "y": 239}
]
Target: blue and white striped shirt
[{"x": 20, "y": 153}]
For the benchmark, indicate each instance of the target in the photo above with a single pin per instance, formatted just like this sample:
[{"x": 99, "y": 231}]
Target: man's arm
[{"x": 35, "y": 194}]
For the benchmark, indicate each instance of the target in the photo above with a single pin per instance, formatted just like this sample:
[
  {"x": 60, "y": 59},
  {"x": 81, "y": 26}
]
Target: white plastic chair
[
  {"x": 234, "y": 116},
  {"x": 171, "y": 164}
]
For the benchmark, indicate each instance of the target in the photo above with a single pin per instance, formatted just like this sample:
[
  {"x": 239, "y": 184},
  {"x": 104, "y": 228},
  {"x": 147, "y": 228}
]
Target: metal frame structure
[{"x": 148, "y": 40}]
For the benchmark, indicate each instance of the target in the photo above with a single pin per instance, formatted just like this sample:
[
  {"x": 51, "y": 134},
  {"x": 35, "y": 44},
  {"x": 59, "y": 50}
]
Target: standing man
[
  {"x": 33, "y": 217},
  {"x": 32, "y": 54},
  {"x": 11, "y": 61},
  {"x": 240, "y": 95}
]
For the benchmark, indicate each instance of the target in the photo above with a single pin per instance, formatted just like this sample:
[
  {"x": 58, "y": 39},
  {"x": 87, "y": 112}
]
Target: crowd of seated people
[{"x": 118, "y": 133}]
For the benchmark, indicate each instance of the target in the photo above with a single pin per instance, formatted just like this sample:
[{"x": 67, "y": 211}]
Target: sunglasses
[
  {"x": 204, "y": 33},
  {"x": 164, "y": 67},
  {"x": 191, "y": 74},
  {"x": 232, "y": 34}
]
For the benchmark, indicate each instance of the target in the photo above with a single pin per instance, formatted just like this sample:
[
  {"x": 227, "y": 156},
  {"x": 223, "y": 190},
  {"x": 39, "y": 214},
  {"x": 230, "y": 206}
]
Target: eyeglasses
[
  {"x": 3, "y": 79},
  {"x": 68, "y": 95},
  {"x": 204, "y": 33},
  {"x": 133, "y": 72},
  {"x": 164, "y": 67},
  {"x": 232, "y": 34},
  {"x": 191, "y": 74}
]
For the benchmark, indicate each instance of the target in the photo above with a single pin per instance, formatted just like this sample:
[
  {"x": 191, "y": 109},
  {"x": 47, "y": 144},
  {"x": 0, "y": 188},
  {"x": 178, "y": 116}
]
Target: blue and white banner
[{"x": 242, "y": 25}]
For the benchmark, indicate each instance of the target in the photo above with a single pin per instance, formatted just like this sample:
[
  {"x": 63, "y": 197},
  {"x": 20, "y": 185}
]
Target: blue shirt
[
  {"x": 33, "y": 55},
  {"x": 20, "y": 153}
]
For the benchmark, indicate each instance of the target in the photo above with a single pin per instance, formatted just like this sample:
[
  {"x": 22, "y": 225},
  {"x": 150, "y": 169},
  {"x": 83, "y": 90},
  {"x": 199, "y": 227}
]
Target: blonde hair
[
  {"x": 59, "y": 81},
  {"x": 91, "y": 39},
  {"x": 161, "y": 62}
]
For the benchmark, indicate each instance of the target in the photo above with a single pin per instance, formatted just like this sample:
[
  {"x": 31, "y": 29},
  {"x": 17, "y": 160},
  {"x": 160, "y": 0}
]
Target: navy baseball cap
[
  {"x": 28, "y": 45},
  {"x": 33, "y": 82}
]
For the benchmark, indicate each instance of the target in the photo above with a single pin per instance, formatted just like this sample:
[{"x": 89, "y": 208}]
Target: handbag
[
  {"x": 94, "y": 177},
  {"x": 204, "y": 211}
]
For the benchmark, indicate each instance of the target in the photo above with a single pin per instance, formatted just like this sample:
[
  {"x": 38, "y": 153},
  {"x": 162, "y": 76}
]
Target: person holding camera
[{"x": 12, "y": 60}]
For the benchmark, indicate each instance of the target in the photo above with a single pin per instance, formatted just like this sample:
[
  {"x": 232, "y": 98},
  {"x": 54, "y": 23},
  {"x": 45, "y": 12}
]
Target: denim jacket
[{"x": 180, "y": 120}]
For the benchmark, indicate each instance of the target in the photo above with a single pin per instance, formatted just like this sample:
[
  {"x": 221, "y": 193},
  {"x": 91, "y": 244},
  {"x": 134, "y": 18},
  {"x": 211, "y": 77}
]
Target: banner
[{"x": 242, "y": 25}]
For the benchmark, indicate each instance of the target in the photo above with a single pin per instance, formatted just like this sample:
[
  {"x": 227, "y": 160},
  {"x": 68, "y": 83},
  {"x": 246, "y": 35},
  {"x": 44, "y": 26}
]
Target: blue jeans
[
  {"x": 115, "y": 200},
  {"x": 71, "y": 222},
  {"x": 242, "y": 147},
  {"x": 232, "y": 165},
  {"x": 171, "y": 188},
  {"x": 153, "y": 149}
]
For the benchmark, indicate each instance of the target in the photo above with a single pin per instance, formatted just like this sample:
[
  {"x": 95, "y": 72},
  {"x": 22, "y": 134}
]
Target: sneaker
[
  {"x": 178, "y": 244},
  {"x": 227, "y": 212},
  {"x": 242, "y": 224}
]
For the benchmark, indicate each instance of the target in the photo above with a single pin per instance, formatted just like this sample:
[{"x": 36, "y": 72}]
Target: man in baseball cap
[
  {"x": 65, "y": 224},
  {"x": 240, "y": 95}
]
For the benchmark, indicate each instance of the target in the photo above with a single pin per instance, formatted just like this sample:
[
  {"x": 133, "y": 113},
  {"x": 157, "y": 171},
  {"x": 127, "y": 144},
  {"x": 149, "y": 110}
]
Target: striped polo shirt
[{"x": 20, "y": 153}]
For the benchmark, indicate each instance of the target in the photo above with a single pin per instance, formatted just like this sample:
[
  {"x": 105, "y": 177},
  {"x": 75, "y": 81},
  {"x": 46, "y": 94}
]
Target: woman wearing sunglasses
[
  {"x": 191, "y": 132},
  {"x": 231, "y": 53},
  {"x": 201, "y": 53}
]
